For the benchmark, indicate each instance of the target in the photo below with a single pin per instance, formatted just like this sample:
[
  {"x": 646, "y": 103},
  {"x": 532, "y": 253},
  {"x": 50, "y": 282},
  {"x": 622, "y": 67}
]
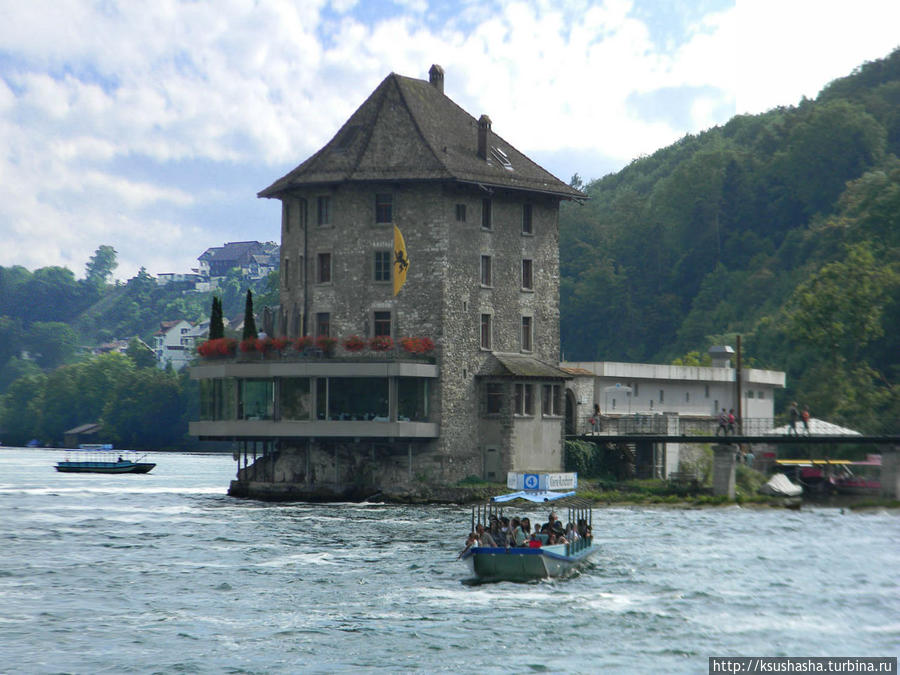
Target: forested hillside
[{"x": 782, "y": 227}]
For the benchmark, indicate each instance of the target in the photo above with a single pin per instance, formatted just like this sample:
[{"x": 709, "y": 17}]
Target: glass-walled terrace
[{"x": 315, "y": 398}]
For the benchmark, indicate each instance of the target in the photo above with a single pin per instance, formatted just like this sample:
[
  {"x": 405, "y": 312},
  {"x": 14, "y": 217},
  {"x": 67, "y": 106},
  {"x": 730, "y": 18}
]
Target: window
[
  {"x": 486, "y": 276},
  {"x": 286, "y": 217},
  {"x": 324, "y": 268},
  {"x": 295, "y": 399},
  {"x": 486, "y": 220},
  {"x": 634, "y": 386},
  {"x": 706, "y": 391},
  {"x": 493, "y": 398},
  {"x": 526, "y": 219},
  {"x": 382, "y": 324},
  {"x": 749, "y": 393},
  {"x": 382, "y": 265},
  {"x": 526, "y": 334},
  {"x": 687, "y": 397},
  {"x": 524, "y": 399},
  {"x": 485, "y": 331},
  {"x": 759, "y": 395},
  {"x": 323, "y": 324},
  {"x": 286, "y": 272},
  {"x": 662, "y": 396},
  {"x": 324, "y": 210},
  {"x": 384, "y": 204},
  {"x": 460, "y": 213},
  {"x": 412, "y": 399},
  {"x": 550, "y": 399},
  {"x": 527, "y": 274}
]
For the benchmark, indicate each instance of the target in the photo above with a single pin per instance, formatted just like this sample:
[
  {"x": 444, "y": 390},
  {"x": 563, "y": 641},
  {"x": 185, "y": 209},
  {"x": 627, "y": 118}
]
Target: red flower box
[
  {"x": 417, "y": 345},
  {"x": 326, "y": 344},
  {"x": 302, "y": 343},
  {"x": 280, "y": 343},
  {"x": 248, "y": 345},
  {"x": 217, "y": 348},
  {"x": 354, "y": 343},
  {"x": 381, "y": 343},
  {"x": 264, "y": 345}
]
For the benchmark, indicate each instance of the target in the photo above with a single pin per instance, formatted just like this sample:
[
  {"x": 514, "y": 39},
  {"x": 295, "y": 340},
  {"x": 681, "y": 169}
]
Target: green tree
[
  {"x": 249, "y": 320},
  {"x": 146, "y": 411},
  {"x": 100, "y": 267},
  {"x": 51, "y": 343},
  {"x": 140, "y": 354},
  {"x": 21, "y": 412},
  {"x": 216, "y": 320}
]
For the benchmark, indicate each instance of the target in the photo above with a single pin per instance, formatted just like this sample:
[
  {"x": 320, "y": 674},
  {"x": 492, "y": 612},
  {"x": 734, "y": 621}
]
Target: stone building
[{"x": 415, "y": 220}]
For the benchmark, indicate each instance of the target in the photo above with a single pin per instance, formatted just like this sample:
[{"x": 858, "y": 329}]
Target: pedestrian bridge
[{"x": 677, "y": 429}]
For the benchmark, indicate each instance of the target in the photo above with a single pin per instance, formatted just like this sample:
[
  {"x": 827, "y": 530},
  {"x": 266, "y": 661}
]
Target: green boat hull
[{"x": 526, "y": 564}]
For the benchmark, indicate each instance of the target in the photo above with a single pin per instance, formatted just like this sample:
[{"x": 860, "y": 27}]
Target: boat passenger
[
  {"x": 484, "y": 536},
  {"x": 551, "y": 539},
  {"x": 526, "y": 526},
  {"x": 495, "y": 529},
  {"x": 535, "y": 541},
  {"x": 551, "y": 520},
  {"x": 571, "y": 532},
  {"x": 471, "y": 541},
  {"x": 518, "y": 534}
]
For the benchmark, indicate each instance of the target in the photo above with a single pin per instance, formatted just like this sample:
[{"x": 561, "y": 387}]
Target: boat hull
[
  {"x": 525, "y": 564},
  {"x": 105, "y": 467}
]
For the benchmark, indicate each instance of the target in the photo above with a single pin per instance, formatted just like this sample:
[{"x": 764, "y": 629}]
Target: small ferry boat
[
  {"x": 527, "y": 563},
  {"x": 95, "y": 458},
  {"x": 840, "y": 476}
]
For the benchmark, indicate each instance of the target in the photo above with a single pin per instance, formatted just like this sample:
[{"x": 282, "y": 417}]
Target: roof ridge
[
  {"x": 416, "y": 122},
  {"x": 365, "y": 146}
]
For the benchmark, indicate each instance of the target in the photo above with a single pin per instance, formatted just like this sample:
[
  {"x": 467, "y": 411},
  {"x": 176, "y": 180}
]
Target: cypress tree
[
  {"x": 249, "y": 321},
  {"x": 216, "y": 321}
]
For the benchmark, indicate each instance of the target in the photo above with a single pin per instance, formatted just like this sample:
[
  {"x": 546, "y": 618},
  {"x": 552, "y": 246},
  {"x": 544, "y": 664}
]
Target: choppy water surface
[{"x": 165, "y": 573}]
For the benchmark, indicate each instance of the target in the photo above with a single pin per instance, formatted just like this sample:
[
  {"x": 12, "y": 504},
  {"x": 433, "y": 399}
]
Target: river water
[{"x": 164, "y": 573}]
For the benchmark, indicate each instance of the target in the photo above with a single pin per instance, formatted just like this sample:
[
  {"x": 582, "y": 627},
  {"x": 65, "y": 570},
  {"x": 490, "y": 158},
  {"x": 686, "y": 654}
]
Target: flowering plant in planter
[
  {"x": 248, "y": 345},
  {"x": 354, "y": 343},
  {"x": 302, "y": 343},
  {"x": 218, "y": 347},
  {"x": 264, "y": 345},
  {"x": 417, "y": 345},
  {"x": 381, "y": 343},
  {"x": 280, "y": 343},
  {"x": 326, "y": 343}
]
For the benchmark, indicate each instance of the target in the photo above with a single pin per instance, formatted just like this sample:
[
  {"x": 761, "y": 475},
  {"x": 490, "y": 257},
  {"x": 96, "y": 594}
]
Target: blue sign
[{"x": 532, "y": 481}]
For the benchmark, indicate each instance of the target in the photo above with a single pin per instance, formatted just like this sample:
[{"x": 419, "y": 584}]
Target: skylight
[{"x": 501, "y": 157}]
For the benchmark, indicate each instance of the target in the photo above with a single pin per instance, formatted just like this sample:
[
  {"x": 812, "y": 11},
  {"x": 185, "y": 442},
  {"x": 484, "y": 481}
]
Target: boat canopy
[{"x": 537, "y": 496}]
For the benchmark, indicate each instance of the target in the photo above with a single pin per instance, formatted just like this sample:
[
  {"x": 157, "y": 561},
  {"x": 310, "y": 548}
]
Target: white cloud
[{"x": 104, "y": 108}]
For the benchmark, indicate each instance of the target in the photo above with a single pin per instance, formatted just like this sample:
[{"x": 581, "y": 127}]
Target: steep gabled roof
[{"x": 409, "y": 130}]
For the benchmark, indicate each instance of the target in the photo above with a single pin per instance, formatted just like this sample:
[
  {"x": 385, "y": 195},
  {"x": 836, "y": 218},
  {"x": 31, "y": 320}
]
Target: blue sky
[{"x": 152, "y": 126}]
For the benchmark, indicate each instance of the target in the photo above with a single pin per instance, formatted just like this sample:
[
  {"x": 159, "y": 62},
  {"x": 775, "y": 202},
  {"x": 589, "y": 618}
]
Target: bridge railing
[{"x": 673, "y": 425}]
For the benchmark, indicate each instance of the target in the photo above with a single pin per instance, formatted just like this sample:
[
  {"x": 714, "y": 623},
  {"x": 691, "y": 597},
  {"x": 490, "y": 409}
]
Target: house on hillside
[
  {"x": 415, "y": 220},
  {"x": 254, "y": 259},
  {"x": 175, "y": 341}
]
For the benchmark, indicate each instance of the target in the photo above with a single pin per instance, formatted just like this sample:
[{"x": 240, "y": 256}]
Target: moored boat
[
  {"x": 93, "y": 459},
  {"x": 526, "y": 563}
]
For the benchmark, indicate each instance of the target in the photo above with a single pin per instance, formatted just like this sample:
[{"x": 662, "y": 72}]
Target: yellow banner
[{"x": 401, "y": 261}]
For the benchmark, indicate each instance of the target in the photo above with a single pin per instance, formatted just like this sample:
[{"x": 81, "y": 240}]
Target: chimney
[
  {"x": 484, "y": 136},
  {"x": 721, "y": 356},
  {"x": 436, "y": 77}
]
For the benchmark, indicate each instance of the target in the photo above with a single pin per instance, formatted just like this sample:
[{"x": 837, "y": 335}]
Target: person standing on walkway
[
  {"x": 731, "y": 422},
  {"x": 723, "y": 423},
  {"x": 805, "y": 417},
  {"x": 794, "y": 414}
]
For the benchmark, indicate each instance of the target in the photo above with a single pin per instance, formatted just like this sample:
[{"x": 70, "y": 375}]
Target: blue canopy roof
[{"x": 538, "y": 496}]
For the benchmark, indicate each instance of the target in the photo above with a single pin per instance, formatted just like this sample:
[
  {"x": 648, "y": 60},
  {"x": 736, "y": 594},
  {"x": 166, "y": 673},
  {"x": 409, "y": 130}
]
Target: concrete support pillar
[
  {"x": 890, "y": 472},
  {"x": 723, "y": 471}
]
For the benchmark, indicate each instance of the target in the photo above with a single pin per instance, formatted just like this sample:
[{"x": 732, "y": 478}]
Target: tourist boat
[
  {"x": 488, "y": 563},
  {"x": 93, "y": 458}
]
